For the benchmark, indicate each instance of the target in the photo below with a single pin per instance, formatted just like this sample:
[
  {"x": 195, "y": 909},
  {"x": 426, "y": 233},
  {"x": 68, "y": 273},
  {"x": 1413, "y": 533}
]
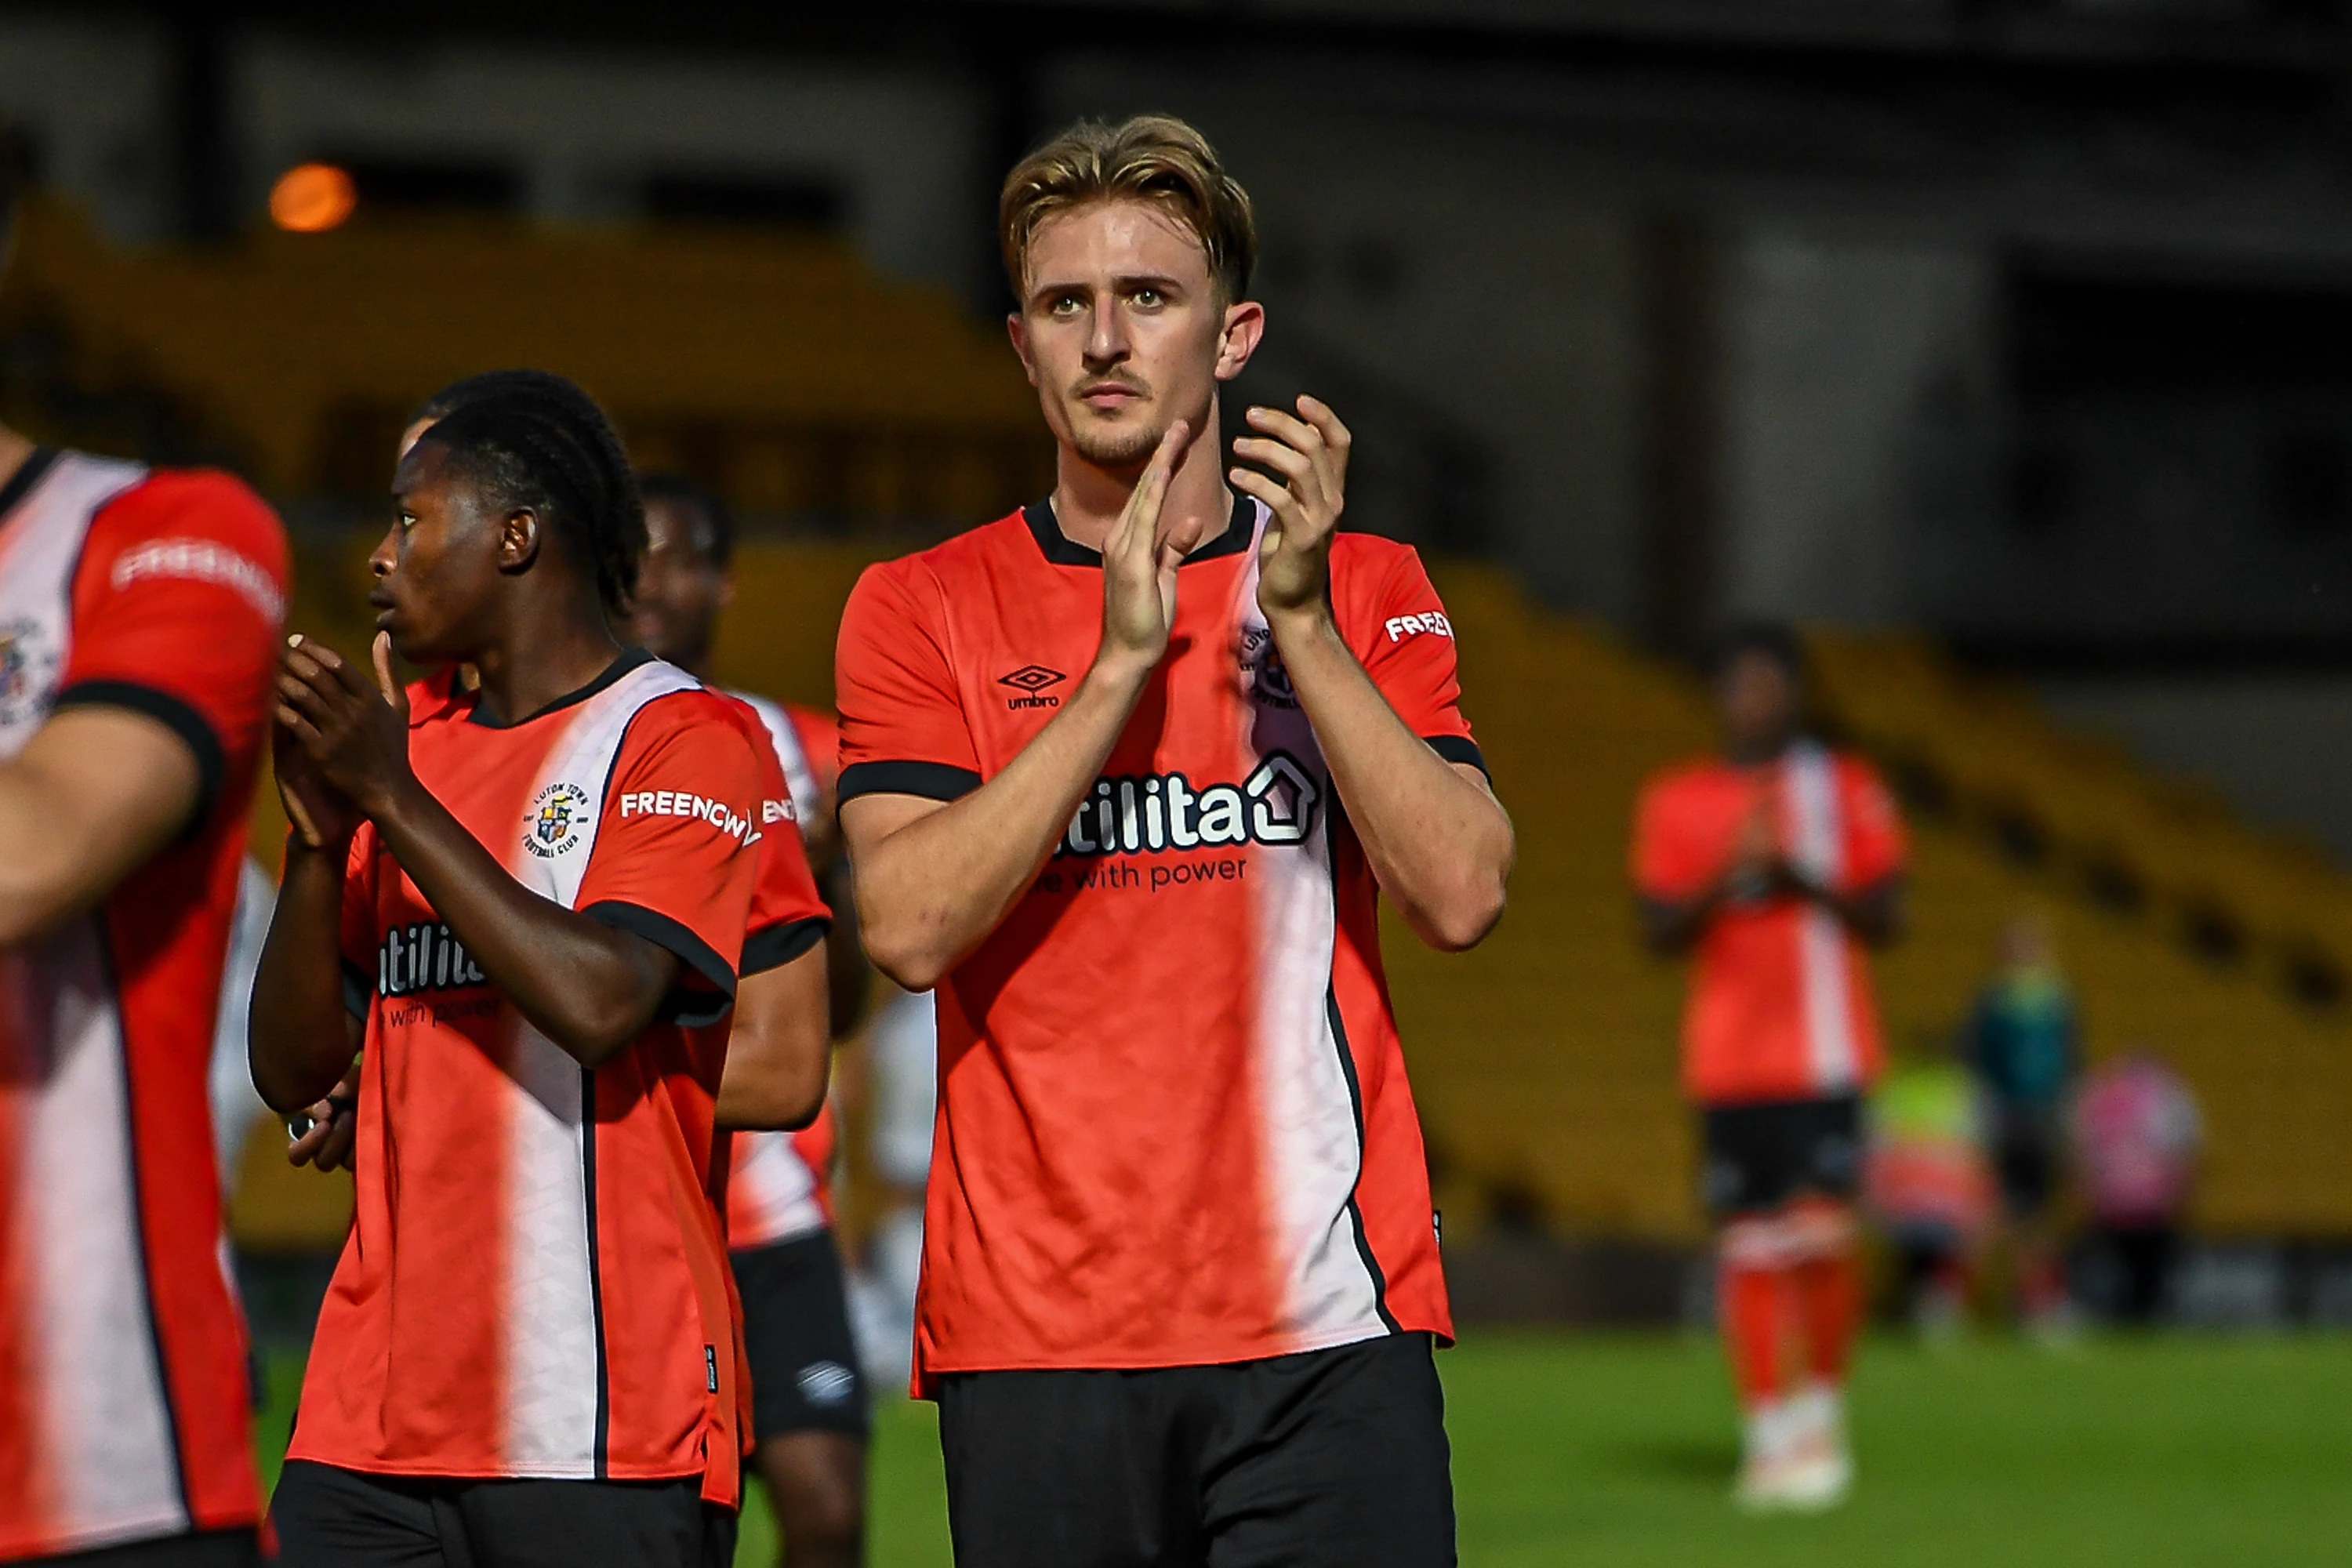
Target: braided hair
[{"x": 535, "y": 441}]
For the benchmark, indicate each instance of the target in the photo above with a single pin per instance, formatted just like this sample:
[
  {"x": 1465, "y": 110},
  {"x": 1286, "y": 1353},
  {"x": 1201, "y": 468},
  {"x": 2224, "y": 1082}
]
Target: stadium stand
[{"x": 779, "y": 366}]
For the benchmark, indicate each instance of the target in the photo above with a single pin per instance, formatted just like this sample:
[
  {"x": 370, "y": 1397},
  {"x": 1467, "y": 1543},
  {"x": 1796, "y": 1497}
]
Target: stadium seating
[{"x": 779, "y": 367}]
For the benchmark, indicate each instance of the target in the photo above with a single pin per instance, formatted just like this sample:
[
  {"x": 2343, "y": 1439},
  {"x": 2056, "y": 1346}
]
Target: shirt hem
[
  {"x": 164, "y": 1526},
  {"x": 587, "y": 1472},
  {"x": 929, "y": 1371}
]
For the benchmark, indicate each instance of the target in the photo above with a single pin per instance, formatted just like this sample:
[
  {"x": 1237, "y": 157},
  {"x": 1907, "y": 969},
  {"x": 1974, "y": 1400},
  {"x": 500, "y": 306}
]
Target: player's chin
[{"x": 1117, "y": 441}]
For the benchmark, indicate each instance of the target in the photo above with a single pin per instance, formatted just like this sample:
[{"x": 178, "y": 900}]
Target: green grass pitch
[{"x": 1617, "y": 1450}]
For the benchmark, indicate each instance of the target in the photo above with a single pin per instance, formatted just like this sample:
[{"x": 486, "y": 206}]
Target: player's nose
[{"x": 386, "y": 553}]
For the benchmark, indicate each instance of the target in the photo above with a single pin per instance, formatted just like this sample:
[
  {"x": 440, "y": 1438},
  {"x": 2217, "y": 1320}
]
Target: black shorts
[
  {"x": 805, "y": 1375},
  {"x": 1762, "y": 1154},
  {"x": 1330, "y": 1457},
  {"x": 332, "y": 1518},
  {"x": 2026, "y": 1146},
  {"x": 196, "y": 1549}
]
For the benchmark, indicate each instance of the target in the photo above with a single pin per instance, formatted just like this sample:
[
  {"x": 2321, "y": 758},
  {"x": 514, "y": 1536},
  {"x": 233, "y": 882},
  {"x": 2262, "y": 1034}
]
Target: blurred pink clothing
[{"x": 2137, "y": 1134}]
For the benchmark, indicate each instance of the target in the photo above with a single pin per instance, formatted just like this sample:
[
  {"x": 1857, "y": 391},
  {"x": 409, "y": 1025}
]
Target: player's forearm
[
  {"x": 930, "y": 890},
  {"x": 93, "y": 796},
  {"x": 780, "y": 1050},
  {"x": 298, "y": 1033},
  {"x": 587, "y": 986},
  {"x": 846, "y": 972},
  {"x": 1439, "y": 843}
]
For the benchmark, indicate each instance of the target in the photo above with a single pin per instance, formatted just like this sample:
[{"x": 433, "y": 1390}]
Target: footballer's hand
[
  {"x": 334, "y": 1126},
  {"x": 323, "y": 814},
  {"x": 1308, "y": 455},
  {"x": 1139, "y": 566},
  {"x": 354, "y": 740}
]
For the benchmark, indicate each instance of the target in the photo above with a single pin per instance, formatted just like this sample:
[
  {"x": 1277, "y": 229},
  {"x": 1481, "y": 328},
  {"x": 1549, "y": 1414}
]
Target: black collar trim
[
  {"x": 630, "y": 659},
  {"x": 1063, "y": 550},
  {"x": 29, "y": 474}
]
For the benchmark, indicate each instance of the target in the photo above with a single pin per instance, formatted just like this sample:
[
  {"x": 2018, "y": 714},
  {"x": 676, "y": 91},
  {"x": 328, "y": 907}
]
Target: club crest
[
  {"x": 1263, "y": 675},
  {"x": 25, "y": 673},
  {"x": 553, "y": 827}
]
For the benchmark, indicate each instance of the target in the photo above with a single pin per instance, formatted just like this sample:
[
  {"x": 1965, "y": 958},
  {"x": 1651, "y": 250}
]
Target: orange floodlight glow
[{"x": 310, "y": 198}]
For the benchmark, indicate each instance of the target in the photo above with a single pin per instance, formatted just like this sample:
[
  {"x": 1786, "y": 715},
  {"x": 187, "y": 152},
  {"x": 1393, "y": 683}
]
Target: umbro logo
[{"x": 1031, "y": 680}]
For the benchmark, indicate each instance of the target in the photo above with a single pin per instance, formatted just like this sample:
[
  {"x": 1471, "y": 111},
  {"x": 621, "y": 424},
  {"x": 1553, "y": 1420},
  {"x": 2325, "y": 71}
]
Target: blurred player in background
[
  {"x": 1773, "y": 864},
  {"x": 1181, "y": 1280},
  {"x": 535, "y": 892},
  {"x": 2024, "y": 1040},
  {"x": 139, "y": 612},
  {"x": 809, "y": 1403}
]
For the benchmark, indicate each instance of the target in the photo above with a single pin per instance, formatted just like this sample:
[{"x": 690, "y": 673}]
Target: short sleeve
[
  {"x": 178, "y": 604},
  {"x": 360, "y": 935},
  {"x": 788, "y": 916},
  {"x": 902, "y": 723},
  {"x": 675, "y": 858},
  {"x": 820, "y": 740},
  {"x": 1410, "y": 659},
  {"x": 1876, "y": 846},
  {"x": 1671, "y": 862}
]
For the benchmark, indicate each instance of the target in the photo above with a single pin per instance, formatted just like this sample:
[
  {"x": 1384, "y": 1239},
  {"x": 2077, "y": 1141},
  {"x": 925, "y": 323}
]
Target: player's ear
[
  {"x": 1244, "y": 327},
  {"x": 1019, "y": 331},
  {"x": 519, "y": 540}
]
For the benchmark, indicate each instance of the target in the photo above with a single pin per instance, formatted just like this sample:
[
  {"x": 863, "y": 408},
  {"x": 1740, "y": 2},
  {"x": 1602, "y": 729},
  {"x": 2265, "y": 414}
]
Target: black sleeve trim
[
  {"x": 359, "y": 987},
  {"x": 685, "y": 1006},
  {"x": 1459, "y": 749},
  {"x": 194, "y": 730},
  {"x": 772, "y": 947},
  {"x": 932, "y": 781}
]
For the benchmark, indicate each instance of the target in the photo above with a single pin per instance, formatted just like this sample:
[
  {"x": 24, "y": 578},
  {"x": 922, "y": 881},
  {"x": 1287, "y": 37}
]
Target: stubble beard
[{"x": 1117, "y": 446}]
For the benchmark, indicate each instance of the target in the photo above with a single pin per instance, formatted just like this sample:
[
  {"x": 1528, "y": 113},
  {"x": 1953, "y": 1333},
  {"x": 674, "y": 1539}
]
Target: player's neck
[
  {"x": 542, "y": 660},
  {"x": 13, "y": 450},
  {"x": 1088, "y": 499}
]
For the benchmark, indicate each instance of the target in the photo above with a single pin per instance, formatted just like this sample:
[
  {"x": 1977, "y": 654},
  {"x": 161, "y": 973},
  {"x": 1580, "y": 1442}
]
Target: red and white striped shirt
[
  {"x": 122, "y": 1373},
  {"x": 535, "y": 1282},
  {"x": 780, "y": 1186}
]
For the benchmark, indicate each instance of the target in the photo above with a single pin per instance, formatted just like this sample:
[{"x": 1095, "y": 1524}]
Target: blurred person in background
[
  {"x": 810, "y": 1411},
  {"x": 139, "y": 613},
  {"x": 1774, "y": 864},
  {"x": 1928, "y": 1186},
  {"x": 2137, "y": 1135},
  {"x": 2024, "y": 1042}
]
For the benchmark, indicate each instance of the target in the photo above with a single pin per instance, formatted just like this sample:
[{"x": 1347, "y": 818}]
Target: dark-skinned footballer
[{"x": 527, "y": 900}]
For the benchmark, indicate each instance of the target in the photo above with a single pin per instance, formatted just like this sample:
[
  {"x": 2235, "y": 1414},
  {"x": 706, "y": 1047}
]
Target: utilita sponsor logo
[
  {"x": 1031, "y": 680},
  {"x": 424, "y": 957},
  {"x": 1148, "y": 814}
]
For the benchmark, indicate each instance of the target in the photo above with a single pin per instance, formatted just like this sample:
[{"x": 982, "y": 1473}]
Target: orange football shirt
[
  {"x": 535, "y": 1284},
  {"x": 1173, "y": 1125},
  {"x": 1780, "y": 1006}
]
